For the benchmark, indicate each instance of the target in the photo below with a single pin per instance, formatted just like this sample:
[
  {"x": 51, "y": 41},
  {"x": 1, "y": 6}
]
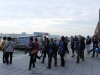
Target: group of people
[
  {"x": 7, "y": 49},
  {"x": 78, "y": 45},
  {"x": 85, "y": 43},
  {"x": 51, "y": 48}
]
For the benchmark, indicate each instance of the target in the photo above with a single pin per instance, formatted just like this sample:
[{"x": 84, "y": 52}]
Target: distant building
[{"x": 97, "y": 30}]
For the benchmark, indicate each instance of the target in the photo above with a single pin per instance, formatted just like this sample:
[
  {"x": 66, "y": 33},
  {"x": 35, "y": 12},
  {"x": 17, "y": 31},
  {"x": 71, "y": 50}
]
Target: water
[
  {"x": 18, "y": 52},
  {"x": 15, "y": 54}
]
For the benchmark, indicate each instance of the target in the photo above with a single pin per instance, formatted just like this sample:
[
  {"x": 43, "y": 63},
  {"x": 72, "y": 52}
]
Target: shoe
[
  {"x": 42, "y": 62},
  {"x": 10, "y": 62},
  {"x": 29, "y": 68},
  {"x": 49, "y": 67},
  {"x": 55, "y": 65},
  {"x": 88, "y": 52},
  {"x": 33, "y": 67},
  {"x": 62, "y": 65},
  {"x": 96, "y": 55},
  {"x": 77, "y": 62},
  {"x": 4, "y": 62},
  {"x": 72, "y": 56},
  {"x": 92, "y": 57}
]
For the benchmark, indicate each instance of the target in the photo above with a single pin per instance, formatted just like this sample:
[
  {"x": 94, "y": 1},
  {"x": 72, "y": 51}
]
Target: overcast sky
[{"x": 57, "y": 17}]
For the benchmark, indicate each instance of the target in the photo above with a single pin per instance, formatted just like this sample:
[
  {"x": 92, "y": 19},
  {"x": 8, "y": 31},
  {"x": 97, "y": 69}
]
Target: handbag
[{"x": 35, "y": 51}]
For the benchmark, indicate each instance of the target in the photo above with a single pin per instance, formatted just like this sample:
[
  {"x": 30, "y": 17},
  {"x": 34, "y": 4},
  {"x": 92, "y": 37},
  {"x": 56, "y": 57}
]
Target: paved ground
[{"x": 91, "y": 66}]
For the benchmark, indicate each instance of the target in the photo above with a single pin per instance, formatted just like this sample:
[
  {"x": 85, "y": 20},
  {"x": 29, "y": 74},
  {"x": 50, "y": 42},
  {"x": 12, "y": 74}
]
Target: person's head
[
  {"x": 94, "y": 37},
  {"x": 87, "y": 36},
  {"x": 62, "y": 38},
  {"x": 31, "y": 39},
  {"x": 9, "y": 38},
  {"x": 4, "y": 38},
  {"x": 35, "y": 39},
  {"x": 79, "y": 38},
  {"x": 51, "y": 40}
]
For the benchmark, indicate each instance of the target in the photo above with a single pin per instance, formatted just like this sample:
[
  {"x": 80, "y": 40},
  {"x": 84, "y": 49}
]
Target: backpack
[
  {"x": 62, "y": 46},
  {"x": 50, "y": 50}
]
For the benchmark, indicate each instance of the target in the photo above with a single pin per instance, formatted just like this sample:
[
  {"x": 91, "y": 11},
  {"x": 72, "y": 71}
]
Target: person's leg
[
  {"x": 30, "y": 62},
  {"x": 4, "y": 57},
  {"x": 7, "y": 57},
  {"x": 78, "y": 54},
  {"x": 44, "y": 55},
  {"x": 55, "y": 60},
  {"x": 87, "y": 46},
  {"x": 10, "y": 57},
  {"x": 72, "y": 52},
  {"x": 62, "y": 60},
  {"x": 35, "y": 57},
  {"x": 49, "y": 61},
  {"x": 97, "y": 55},
  {"x": 90, "y": 50},
  {"x": 93, "y": 53},
  {"x": 33, "y": 61},
  {"x": 82, "y": 54}
]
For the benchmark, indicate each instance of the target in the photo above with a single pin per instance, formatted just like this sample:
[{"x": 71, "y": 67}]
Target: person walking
[
  {"x": 51, "y": 52},
  {"x": 72, "y": 47},
  {"x": 95, "y": 45},
  {"x": 62, "y": 49},
  {"x": 88, "y": 42},
  {"x": 80, "y": 49},
  {"x": 32, "y": 56},
  {"x": 45, "y": 49},
  {"x": 37, "y": 46}
]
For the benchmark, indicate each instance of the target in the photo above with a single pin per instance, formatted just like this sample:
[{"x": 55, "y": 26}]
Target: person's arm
[
  {"x": 13, "y": 47},
  {"x": 5, "y": 46},
  {"x": 84, "y": 45},
  {"x": 2, "y": 45},
  {"x": 65, "y": 46}
]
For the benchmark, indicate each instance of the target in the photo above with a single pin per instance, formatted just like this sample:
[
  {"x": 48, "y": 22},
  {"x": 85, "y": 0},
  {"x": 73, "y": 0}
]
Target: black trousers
[
  {"x": 31, "y": 61},
  {"x": 4, "y": 56},
  {"x": 36, "y": 56},
  {"x": 80, "y": 54},
  {"x": 55, "y": 59},
  {"x": 7, "y": 57},
  {"x": 93, "y": 51},
  {"x": 50, "y": 60},
  {"x": 72, "y": 50},
  {"x": 62, "y": 59},
  {"x": 44, "y": 55}
]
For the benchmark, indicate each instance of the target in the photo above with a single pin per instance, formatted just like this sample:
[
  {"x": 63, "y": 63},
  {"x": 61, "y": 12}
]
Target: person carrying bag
[{"x": 9, "y": 49}]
